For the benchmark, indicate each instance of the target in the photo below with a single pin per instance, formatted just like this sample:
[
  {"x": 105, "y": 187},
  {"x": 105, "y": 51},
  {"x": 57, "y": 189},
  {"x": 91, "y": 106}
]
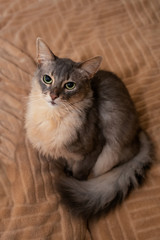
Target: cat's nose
[{"x": 53, "y": 96}]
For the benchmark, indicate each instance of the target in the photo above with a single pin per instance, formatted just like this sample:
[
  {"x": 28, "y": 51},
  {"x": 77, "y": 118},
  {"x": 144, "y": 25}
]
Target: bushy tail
[{"x": 88, "y": 198}]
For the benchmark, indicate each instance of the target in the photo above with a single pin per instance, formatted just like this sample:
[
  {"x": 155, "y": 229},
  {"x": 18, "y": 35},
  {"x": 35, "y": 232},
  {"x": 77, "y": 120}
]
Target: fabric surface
[{"x": 127, "y": 34}]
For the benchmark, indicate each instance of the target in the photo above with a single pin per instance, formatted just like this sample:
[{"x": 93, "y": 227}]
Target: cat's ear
[
  {"x": 91, "y": 66},
  {"x": 44, "y": 53}
]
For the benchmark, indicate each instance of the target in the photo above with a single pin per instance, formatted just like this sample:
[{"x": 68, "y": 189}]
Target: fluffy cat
[{"x": 85, "y": 120}]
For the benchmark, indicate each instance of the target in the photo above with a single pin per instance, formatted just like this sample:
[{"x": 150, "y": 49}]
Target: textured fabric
[{"x": 127, "y": 34}]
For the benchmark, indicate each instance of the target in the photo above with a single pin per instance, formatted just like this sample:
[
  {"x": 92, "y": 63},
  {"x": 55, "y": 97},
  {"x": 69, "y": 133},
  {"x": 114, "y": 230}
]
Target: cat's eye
[
  {"x": 47, "y": 79},
  {"x": 70, "y": 85}
]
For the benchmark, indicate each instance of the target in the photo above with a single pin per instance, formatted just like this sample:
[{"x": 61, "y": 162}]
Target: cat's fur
[{"x": 91, "y": 130}]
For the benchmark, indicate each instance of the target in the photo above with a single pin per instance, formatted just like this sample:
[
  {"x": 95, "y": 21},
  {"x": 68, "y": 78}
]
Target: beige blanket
[{"x": 127, "y": 34}]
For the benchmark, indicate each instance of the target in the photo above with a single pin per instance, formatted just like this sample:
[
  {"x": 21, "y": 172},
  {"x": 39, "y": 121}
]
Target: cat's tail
[{"x": 88, "y": 198}]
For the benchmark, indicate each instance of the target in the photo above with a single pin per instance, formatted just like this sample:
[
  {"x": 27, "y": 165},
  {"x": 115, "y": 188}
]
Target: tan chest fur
[{"x": 49, "y": 129}]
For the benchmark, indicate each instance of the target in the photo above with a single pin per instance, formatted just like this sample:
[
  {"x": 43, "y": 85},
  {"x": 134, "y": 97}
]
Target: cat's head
[{"x": 61, "y": 81}]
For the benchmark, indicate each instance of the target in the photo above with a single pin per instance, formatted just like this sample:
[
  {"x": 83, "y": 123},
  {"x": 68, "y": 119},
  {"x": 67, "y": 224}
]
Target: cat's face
[{"x": 63, "y": 82}]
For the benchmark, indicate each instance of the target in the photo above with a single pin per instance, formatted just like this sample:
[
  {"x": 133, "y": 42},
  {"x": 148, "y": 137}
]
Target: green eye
[
  {"x": 70, "y": 85},
  {"x": 47, "y": 79}
]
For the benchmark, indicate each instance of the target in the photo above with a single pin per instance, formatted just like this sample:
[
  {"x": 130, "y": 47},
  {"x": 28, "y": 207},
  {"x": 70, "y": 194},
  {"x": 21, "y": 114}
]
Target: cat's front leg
[
  {"x": 82, "y": 169},
  {"x": 68, "y": 170}
]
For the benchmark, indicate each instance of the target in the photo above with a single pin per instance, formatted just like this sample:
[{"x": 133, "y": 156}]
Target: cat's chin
[{"x": 53, "y": 103}]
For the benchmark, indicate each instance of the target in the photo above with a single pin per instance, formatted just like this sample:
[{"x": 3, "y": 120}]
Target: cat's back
[
  {"x": 116, "y": 111},
  {"x": 108, "y": 88}
]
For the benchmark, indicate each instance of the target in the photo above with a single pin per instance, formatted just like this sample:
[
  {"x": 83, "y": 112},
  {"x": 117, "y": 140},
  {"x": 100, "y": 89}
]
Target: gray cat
[{"x": 85, "y": 120}]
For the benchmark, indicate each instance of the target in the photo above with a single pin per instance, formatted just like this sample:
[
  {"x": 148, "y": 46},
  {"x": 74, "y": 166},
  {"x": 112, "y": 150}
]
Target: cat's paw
[
  {"x": 68, "y": 171},
  {"x": 81, "y": 176}
]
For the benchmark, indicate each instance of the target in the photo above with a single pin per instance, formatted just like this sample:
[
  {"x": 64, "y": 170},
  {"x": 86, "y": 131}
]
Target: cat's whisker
[
  {"x": 37, "y": 100},
  {"x": 75, "y": 108},
  {"x": 69, "y": 107},
  {"x": 66, "y": 107},
  {"x": 33, "y": 101}
]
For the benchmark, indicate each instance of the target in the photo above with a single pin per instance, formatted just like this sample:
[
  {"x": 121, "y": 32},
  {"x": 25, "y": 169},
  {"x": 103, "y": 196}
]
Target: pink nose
[{"x": 53, "y": 96}]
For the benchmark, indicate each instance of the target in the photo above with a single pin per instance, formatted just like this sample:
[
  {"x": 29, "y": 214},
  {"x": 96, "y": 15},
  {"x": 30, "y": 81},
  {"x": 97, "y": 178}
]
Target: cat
[{"x": 84, "y": 119}]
